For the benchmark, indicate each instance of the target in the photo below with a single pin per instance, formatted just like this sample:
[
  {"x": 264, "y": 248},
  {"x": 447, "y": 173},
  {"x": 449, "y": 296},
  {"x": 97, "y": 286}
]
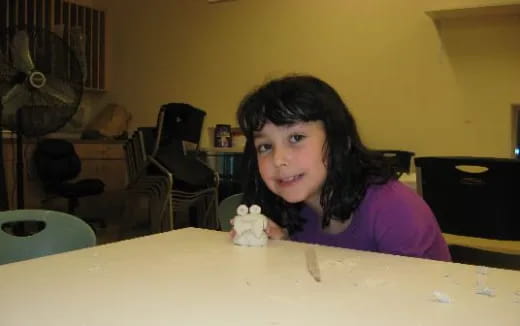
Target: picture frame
[{"x": 223, "y": 137}]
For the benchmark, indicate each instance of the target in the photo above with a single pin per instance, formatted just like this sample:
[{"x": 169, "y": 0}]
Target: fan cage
[{"x": 51, "y": 56}]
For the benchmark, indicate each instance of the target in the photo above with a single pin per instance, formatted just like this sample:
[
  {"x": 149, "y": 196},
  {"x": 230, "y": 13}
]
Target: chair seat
[
  {"x": 190, "y": 174},
  {"x": 81, "y": 188}
]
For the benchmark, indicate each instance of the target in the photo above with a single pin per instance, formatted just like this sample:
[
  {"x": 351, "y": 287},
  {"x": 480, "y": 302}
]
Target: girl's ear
[{"x": 325, "y": 152}]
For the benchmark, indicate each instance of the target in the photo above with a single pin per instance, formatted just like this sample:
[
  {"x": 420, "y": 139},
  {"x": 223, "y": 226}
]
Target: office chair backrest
[
  {"x": 178, "y": 122},
  {"x": 471, "y": 196},
  {"x": 60, "y": 232},
  {"x": 227, "y": 209},
  {"x": 56, "y": 161}
]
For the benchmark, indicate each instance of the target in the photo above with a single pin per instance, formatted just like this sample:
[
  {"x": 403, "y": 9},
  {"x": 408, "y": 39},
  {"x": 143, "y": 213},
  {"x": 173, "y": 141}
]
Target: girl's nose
[{"x": 281, "y": 157}]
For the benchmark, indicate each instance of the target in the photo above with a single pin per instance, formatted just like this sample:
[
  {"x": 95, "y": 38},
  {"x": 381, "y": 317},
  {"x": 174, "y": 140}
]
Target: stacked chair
[
  {"x": 194, "y": 195},
  {"x": 475, "y": 197},
  {"x": 399, "y": 160},
  {"x": 472, "y": 196},
  {"x": 155, "y": 187}
]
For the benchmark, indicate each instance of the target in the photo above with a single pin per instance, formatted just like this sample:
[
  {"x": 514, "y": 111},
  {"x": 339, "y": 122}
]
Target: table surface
[{"x": 198, "y": 277}]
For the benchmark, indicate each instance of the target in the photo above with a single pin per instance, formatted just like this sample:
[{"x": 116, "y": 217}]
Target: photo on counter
[{"x": 223, "y": 136}]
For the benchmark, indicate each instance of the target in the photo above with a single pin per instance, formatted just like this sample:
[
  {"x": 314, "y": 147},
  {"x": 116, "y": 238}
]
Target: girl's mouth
[{"x": 289, "y": 180}]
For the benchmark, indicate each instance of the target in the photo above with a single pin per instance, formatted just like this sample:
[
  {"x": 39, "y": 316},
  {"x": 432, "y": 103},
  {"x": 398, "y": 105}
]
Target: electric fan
[{"x": 41, "y": 85}]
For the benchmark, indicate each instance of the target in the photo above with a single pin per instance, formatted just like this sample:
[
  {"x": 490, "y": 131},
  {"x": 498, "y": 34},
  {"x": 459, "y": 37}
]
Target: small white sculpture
[{"x": 249, "y": 226}]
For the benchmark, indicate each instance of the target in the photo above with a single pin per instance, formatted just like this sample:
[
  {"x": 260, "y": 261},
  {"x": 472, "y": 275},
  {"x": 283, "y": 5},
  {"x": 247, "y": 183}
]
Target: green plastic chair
[
  {"x": 58, "y": 232},
  {"x": 227, "y": 209}
]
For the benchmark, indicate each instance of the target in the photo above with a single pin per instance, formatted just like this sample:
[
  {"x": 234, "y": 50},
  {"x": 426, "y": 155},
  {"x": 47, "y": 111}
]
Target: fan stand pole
[
  {"x": 4, "y": 203},
  {"x": 19, "y": 160}
]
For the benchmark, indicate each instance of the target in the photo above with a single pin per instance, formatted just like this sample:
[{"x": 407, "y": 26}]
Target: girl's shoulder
[
  {"x": 392, "y": 189},
  {"x": 394, "y": 196},
  {"x": 402, "y": 222}
]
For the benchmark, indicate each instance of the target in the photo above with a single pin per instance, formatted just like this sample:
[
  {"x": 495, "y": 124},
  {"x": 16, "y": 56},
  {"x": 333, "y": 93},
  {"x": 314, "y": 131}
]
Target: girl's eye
[
  {"x": 262, "y": 148},
  {"x": 296, "y": 138}
]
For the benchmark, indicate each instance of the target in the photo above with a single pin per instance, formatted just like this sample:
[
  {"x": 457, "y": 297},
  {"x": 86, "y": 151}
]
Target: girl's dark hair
[{"x": 351, "y": 167}]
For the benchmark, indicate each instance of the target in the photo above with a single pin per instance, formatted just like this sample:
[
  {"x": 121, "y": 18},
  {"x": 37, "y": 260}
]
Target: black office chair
[
  {"x": 480, "y": 204},
  {"x": 477, "y": 256},
  {"x": 399, "y": 160},
  {"x": 57, "y": 165}
]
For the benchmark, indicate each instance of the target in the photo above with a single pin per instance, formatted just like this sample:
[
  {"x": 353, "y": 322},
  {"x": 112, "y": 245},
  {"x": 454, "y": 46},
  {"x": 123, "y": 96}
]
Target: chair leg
[{"x": 73, "y": 203}]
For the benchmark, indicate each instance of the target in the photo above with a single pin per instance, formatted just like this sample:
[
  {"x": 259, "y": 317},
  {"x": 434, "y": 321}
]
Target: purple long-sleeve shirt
[{"x": 391, "y": 219}]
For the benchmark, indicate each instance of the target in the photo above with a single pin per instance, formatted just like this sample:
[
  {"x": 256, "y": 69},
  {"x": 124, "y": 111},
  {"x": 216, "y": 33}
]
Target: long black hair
[{"x": 351, "y": 167}]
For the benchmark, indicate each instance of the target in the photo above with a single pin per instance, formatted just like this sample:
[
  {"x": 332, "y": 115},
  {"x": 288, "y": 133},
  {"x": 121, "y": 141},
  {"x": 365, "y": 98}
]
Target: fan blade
[
  {"x": 14, "y": 99},
  {"x": 59, "y": 90},
  {"x": 45, "y": 114},
  {"x": 43, "y": 99},
  {"x": 20, "y": 52}
]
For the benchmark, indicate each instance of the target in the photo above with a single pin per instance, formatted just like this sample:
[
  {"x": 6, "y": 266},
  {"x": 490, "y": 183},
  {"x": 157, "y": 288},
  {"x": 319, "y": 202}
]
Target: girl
[{"x": 306, "y": 166}]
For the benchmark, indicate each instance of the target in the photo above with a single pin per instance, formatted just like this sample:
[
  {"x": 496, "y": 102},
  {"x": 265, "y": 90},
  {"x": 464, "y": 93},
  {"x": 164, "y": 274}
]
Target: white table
[{"x": 198, "y": 277}]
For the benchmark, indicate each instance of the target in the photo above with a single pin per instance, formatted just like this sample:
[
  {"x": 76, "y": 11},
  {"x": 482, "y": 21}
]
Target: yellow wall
[{"x": 435, "y": 91}]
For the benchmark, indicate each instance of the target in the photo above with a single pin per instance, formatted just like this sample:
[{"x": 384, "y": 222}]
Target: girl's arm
[{"x": 276, "y": 232}]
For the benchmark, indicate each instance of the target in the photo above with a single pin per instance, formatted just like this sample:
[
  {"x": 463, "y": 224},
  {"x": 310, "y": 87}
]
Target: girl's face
[{"x": 291, "y": 160}]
